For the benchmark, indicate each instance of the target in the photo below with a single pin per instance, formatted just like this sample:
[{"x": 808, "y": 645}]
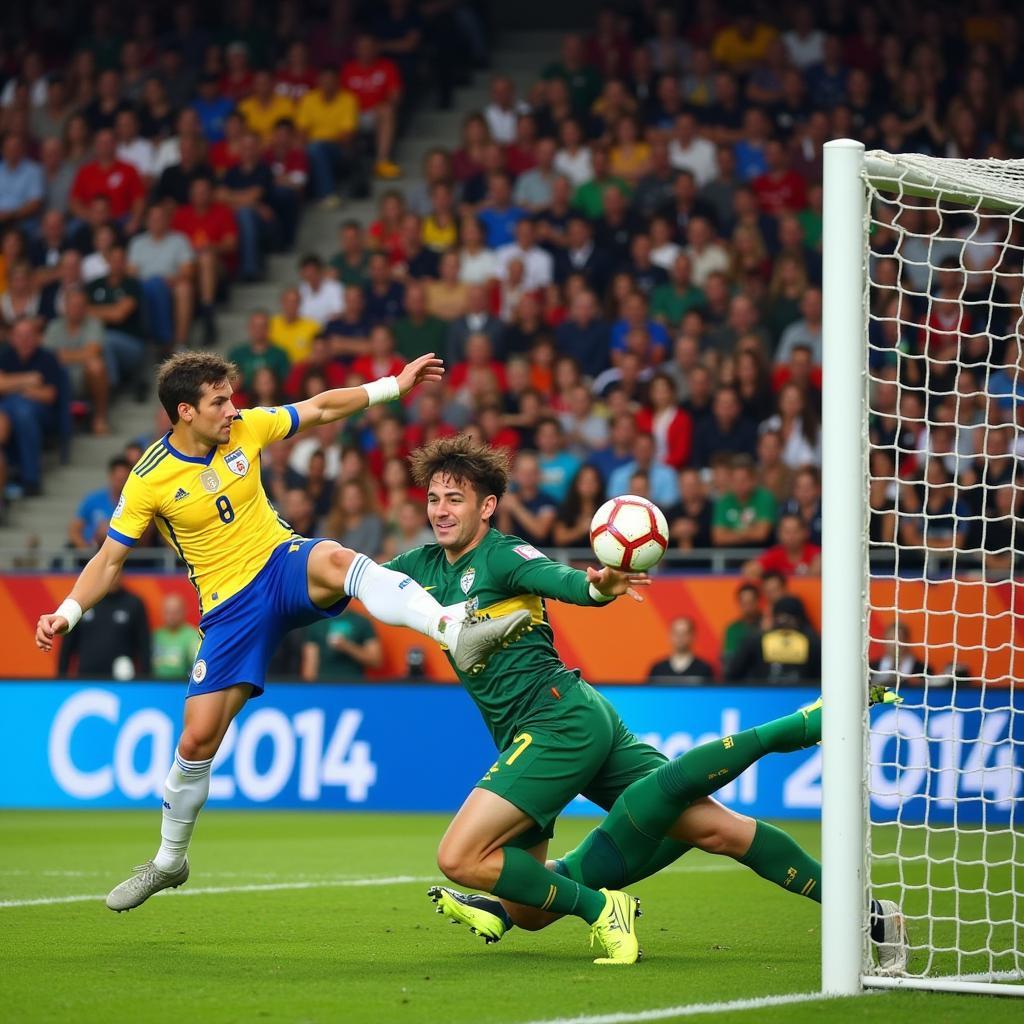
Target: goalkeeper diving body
[
  {"x": 558, "y": 737},
  {"x": 256, "y": 578}
]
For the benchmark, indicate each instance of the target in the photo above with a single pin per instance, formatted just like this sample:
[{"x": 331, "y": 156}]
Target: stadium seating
[{"x": 614, "y": 239}]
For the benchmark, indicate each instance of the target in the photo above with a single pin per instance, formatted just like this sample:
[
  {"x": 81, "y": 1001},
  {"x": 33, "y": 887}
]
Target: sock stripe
[
  {"x": 193, "y": 767},
  {"x": 355, "y": 575}
]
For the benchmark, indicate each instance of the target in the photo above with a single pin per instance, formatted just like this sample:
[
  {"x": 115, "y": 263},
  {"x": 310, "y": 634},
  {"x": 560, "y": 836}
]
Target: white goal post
[{"x": 923, "y": 566}]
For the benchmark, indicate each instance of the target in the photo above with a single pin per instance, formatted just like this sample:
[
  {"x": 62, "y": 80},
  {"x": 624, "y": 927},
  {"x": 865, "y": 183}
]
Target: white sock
[
  {"x": 185, "y": 792},
  {"x": 395, "y": 599}
]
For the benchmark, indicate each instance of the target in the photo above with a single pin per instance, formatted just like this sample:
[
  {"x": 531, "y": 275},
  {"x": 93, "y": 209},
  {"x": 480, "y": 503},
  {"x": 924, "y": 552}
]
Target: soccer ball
[{"x": 629, "y": 533}]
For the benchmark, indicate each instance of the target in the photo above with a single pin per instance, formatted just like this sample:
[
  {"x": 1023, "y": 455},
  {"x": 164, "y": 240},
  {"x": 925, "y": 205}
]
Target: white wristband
[
  {"x": 596, "y": 595},
  {"x": 384, "y": 390},
  {"x": 71, "y": 610}
]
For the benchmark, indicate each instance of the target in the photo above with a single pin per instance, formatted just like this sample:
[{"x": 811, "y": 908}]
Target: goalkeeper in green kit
[{"x": 558, "y": 737}]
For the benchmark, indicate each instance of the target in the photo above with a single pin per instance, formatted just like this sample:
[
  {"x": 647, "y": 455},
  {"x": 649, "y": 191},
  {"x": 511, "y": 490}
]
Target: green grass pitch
[{"x": 299, "y": 923}]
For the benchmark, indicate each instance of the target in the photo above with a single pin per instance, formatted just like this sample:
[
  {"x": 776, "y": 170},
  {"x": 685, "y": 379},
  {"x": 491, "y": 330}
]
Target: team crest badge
[
  {"x": 237, "y": 462},
  {"x": 466, "y": 581},
  {"x": 210, "y": 481}
]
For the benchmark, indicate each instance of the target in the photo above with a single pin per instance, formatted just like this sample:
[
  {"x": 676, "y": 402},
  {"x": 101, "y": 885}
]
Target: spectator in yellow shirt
[
  {"x": 264, "y": 108},
  {"x": 290, "y": 331},
  {"x": 328, "y": 117},
  {"x": 743, "y": 44}
]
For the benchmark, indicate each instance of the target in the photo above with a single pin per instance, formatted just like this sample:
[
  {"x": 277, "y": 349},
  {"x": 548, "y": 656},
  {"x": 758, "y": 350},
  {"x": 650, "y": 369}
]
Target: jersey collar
[{"x": 200, "y": 460}]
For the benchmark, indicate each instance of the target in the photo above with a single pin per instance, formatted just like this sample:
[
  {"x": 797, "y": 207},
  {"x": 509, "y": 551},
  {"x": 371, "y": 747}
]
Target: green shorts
[{"x": 574, "y": 745}]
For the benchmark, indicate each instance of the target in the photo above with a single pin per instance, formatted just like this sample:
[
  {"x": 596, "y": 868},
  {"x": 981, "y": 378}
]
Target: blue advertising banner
[{"x": 420, "y": 747}]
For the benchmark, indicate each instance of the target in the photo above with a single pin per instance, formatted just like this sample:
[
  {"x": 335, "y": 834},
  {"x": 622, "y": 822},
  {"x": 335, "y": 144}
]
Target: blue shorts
[{"x": 240, "y": 637}]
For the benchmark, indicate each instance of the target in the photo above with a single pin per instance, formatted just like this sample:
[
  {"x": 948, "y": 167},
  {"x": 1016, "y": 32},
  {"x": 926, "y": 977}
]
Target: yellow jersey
[
  {"x": 323, "y": 120},
  {"x": 261, "y": 118},
  {"x": 213, "y": 511},
  {"x": 295, "y": 337}
]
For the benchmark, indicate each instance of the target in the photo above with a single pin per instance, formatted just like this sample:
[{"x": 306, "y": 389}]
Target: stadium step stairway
[{"x": 41, "y": 524}]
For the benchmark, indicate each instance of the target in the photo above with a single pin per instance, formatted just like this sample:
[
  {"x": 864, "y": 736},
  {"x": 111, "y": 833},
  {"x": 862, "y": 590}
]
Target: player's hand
[
  {"x": 613, "y": 583},
  {"x": 428, "y": 369},
  {"x": 47, "y": 628}
]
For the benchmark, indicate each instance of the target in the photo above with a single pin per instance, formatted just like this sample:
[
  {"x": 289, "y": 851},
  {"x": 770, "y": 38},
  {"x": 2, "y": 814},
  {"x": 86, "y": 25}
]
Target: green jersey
[
  {"x": 504, "y": 574},
  {"x": 339, "y": 666},
  {"x": 174, "y": 650}
]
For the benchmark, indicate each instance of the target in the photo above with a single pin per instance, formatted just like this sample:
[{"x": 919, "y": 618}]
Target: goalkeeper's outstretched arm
[{"x": 93, "y": 584}]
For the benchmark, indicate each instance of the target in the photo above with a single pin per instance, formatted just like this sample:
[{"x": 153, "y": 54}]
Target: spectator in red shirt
[
  {"x": 670, "y": 426},
  {"x": 794, "y": 555},
  {"x": 390, "y": 437},
  {"x": 320, "y": 362},
  {"x": 210, "y": 227},
  {"x": 225, "y": 154},
  {"x": 378, "y": 88},
  {"x": 382, "y": 361},
  {"x": 800, "y": 370},
  {"x": 479, "y": 356},
  {"x": 106, "y": 175},
  {"x": 780, "y": 189},
  {"x": 236, "y": 83},
  {"x": 428, "y": 420},
  {"x": 290, "y": 167},
  {"x": 297, "y": 77}
]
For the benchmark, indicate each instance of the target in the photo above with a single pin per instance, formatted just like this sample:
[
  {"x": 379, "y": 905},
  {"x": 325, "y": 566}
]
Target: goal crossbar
[{"x": 999, "y": 185}]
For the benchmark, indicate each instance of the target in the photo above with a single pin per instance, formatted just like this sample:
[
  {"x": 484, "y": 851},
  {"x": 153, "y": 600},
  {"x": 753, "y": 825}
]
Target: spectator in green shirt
[
  {"x": 588, "y": 199},
  {"x": 670, "y": 302},
  {"x": 418, "y": 333},
  {"x": 744, "y": 516},
  {"x": 351, "y": 264},
  {"x": 258, "y": 352},
  {"x": 175, "y": 643},
  {"x": 340, "y": 650},
  {"x": 748, "y": 598},
  {"x": 584, "y": 81}
]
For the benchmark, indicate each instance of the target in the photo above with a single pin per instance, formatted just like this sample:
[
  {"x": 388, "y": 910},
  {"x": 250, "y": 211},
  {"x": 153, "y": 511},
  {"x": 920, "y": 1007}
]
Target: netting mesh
[{"x": 945, "y": 427}]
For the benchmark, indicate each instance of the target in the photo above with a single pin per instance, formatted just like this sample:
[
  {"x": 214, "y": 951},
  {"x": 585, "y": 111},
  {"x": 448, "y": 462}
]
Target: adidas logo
[{"x": 182, "y": 493}]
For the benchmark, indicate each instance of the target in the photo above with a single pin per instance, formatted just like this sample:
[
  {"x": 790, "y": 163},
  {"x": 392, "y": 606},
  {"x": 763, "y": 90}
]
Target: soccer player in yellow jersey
[{"x": 256, "y": 578}]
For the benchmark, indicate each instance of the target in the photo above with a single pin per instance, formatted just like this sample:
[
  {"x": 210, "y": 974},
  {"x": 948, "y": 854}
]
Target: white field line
[
  {"x": 314, "y": 883},
  {"x": 216, "y": 890},
  {"x": 689, "y": 1010}
]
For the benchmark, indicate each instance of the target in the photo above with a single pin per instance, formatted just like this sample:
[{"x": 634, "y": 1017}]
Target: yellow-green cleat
[
  {"x": 484, "y": 915},
  {"x": 615, "y": 929},
  {"x": 882, "y": 695}
]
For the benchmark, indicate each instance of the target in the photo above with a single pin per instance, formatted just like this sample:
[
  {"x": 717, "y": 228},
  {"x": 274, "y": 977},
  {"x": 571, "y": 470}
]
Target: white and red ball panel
[{"x": 629, "y": 533}]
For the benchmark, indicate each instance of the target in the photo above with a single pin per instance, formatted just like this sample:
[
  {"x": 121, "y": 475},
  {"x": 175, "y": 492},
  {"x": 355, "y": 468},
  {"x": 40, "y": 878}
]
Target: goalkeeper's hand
[{"x": 614, "y": 583}]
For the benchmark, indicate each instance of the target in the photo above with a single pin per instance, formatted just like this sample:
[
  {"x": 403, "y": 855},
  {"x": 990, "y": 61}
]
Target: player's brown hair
[
  {"x": 182, "y": 377},
  {"x": 464, "y": 461}
]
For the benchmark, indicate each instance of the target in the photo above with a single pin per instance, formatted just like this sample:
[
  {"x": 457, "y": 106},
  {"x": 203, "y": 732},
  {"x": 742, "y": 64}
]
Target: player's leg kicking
[
  {"x": 304, "y": 580},
  {"x": 662, "y": 815},
  {"x": 392, "y": 597}
]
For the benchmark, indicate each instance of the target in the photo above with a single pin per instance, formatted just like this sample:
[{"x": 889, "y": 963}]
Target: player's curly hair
[
  {"x": 464, "y": 461},
  {"x": 181, "y": 378}
]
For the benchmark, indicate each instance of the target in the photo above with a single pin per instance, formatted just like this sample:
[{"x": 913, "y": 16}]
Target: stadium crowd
[{"x": 622, "y": 266}]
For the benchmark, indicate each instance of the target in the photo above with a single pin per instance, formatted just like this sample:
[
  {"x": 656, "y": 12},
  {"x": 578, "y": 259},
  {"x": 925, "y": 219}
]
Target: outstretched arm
[
  {"x": 528, "y": 571},
  {"x": 339, "y": 403},
  {"x": 92, "y": 585}
]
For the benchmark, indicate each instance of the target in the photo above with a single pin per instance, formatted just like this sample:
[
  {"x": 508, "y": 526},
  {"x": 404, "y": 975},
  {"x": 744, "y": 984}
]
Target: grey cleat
[
  {"x": 477, "y": 639},
  {"x": 894, "y": 950},
  {"x": 147, "y": 879}
]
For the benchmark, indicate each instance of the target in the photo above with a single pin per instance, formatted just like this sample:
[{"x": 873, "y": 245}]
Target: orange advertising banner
[{"x": 980, "y": 626}]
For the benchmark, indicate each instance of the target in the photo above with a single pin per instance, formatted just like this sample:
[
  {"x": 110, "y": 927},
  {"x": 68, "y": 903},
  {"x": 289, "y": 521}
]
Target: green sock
[
  {"x": 644, "y": 813},
  {"x": 778, "y": 857},
  {"x": 527, "y": 881},
  {"x": 791, "y": 732}
]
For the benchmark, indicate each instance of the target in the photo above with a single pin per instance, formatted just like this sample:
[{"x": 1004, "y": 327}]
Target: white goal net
[{"x": 943, "y": 370}]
